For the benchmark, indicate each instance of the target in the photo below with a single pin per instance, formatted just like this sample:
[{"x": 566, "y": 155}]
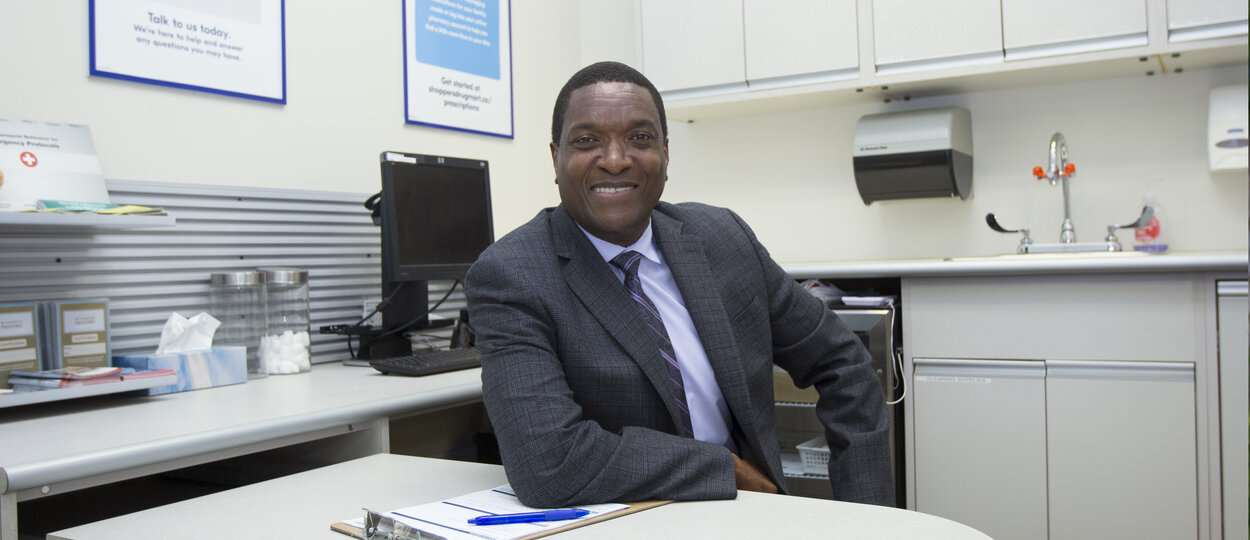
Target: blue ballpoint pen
[{"x": 549, "y": 515}]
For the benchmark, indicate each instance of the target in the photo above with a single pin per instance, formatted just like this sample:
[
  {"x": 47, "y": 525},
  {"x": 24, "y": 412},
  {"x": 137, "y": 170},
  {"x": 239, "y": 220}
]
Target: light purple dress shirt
[{"x": 709, "y": 414}]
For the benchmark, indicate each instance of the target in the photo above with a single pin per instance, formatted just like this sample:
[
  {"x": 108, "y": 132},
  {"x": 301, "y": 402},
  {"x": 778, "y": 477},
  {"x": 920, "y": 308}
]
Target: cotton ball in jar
[{"x": 287, "y": 352}]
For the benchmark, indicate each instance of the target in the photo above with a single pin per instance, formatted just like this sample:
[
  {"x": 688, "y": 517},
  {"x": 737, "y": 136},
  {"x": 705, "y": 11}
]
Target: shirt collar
[{"x": 644, "y": 245}]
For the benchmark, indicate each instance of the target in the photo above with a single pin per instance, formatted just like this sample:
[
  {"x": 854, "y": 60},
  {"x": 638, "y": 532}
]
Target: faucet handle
[
  {"x": 1147, "y": 213},
  {"x": 1068, "y": 170},
  {"x": 993, "y": 223},
  {"x": 1039, "y": 172}
]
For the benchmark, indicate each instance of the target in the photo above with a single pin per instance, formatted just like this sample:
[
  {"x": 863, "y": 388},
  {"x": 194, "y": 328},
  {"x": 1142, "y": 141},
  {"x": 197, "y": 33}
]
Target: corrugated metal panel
[{"x": 147, "y": 274}]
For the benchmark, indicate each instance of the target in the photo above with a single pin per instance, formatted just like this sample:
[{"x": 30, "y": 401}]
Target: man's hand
[{"x": 750, "y": 478}]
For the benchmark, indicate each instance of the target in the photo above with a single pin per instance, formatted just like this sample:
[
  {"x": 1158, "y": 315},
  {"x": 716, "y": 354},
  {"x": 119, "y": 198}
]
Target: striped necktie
[{"x": 629, "y": 261}]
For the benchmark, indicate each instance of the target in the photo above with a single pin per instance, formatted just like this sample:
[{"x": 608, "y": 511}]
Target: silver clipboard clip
[{"x": 383, "y": 527}]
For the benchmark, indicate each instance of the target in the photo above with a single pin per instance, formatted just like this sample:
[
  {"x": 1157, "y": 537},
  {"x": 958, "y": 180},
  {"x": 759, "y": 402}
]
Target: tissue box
[{"x": 219, "y": 366}]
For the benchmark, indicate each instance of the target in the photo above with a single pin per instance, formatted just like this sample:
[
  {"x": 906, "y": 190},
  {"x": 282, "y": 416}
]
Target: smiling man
[{"x": 628, "y": 344}]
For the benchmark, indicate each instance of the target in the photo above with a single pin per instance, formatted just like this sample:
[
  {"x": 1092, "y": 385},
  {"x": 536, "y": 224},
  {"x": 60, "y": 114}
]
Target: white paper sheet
[{"x": 450, "y": 518}]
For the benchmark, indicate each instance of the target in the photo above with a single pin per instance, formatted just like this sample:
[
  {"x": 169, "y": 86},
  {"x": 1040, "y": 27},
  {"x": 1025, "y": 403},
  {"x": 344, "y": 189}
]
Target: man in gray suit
[{"x": 628, "y": 344}]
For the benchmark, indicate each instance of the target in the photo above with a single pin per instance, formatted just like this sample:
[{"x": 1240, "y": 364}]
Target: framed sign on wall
[
  {"x": 235, "y": 47},
  {"x": 458, "y": 65}
]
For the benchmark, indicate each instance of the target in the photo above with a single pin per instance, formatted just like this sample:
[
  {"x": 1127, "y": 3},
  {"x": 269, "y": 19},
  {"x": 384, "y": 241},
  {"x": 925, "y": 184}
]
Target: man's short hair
[{"x": 597, "y": 73}]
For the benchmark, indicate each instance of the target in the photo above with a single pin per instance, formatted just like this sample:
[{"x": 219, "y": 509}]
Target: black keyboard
[{"x": 429, "y": 362}]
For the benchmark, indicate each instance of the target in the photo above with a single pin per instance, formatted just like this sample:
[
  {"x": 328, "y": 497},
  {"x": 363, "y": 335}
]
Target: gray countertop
[{"x": 1040, "y": 263}]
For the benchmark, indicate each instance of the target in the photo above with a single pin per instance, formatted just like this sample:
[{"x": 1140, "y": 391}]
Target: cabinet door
[
  {"x": 1190, "y": 20},
  {"x": 910, "y": 35},
  {"x": 1036, "y": 28},
  {"x": 1234, "y": 403},
  {"x": 693, "y": 44},
  {"x": 980, "y": 430},
  {"x": 1121, "y": 445},
  {"x": 811, "y": 40}
]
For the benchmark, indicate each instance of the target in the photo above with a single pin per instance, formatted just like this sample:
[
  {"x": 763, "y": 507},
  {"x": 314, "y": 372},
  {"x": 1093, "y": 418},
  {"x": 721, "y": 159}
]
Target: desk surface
[
  {"x": 304, "y": 505},
  {"x": 53, "y": 443}
]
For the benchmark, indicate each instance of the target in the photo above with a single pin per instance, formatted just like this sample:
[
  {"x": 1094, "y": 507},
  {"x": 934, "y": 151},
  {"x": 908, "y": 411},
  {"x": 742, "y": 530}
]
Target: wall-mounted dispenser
[
  {"x": 914, "y": 154},
  {"x": 1227, "y": 144}
]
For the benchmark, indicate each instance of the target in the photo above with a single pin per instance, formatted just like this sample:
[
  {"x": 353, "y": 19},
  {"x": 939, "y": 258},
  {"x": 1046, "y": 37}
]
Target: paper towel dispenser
[{"x": 914, "y": 154}]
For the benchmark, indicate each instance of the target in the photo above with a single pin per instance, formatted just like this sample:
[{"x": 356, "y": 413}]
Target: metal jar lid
[
  {"x": 284, "y": 276},
  {"x": 241, "y": 278}
]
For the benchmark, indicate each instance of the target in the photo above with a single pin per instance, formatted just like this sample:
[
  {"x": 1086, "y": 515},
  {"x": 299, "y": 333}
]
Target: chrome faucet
[{"x": 1060, "y": 169}]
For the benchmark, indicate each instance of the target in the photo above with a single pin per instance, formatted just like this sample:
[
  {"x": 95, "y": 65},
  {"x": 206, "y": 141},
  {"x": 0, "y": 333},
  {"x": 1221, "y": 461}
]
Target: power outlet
[{"x": 369, "y": 305}]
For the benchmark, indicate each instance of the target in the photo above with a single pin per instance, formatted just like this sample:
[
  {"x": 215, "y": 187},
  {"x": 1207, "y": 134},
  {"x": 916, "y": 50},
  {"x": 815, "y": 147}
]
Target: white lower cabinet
[
  {"x": 1234, "y": 402},
  {"x": 1022, "y": 449},
  {"x": 1121, "y": 450},
  {"x": 980, "y": 442}
]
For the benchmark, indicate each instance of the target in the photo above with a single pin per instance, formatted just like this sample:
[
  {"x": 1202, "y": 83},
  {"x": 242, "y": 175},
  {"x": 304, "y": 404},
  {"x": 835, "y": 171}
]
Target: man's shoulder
[
  {"x": 687, "y": 210},
  {"x": 702, "y": 219},
  {"x": 535, "y": 231},
  {"x": 525, "y": 245}
]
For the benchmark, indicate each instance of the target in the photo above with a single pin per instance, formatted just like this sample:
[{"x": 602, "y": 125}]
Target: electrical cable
[
  {"x": 418, "y": 318},
  {"x": 896, "y": 363},
  {"x": 381, "y": 305}
]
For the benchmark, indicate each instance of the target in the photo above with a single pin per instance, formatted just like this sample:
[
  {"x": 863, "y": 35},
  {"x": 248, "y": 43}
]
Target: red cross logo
[{"x": 29, "y": 159}]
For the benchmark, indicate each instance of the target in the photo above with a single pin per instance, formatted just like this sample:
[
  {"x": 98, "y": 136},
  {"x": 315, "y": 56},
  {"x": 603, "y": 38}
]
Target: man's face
[{"x": 612, "y": 160}]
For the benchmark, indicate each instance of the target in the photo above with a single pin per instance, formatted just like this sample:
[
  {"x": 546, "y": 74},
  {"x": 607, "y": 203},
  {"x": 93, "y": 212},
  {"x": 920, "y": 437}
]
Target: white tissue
[{"x": 181, "y": 334}]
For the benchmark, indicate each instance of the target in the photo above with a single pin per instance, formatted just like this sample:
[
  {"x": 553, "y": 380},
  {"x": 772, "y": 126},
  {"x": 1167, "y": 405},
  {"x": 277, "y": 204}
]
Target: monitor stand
[{"x": 410, "y": 301}]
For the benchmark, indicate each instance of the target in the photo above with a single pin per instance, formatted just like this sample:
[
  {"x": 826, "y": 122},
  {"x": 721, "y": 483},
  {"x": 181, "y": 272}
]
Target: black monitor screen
[{"x": 436, "y": 216}]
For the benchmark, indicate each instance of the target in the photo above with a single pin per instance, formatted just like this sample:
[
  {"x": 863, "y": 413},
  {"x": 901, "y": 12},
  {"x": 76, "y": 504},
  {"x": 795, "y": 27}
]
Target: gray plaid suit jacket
[{"x": 575, "y": 387}]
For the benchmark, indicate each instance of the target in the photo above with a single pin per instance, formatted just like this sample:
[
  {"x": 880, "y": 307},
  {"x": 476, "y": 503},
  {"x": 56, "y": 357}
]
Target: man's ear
[
  {"x": 554, "y": 162},
  {"x": 666, "y": 159}
]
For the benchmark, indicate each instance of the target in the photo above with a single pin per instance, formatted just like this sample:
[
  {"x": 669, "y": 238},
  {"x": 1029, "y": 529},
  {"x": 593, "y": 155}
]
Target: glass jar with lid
[
  {"x": 285, "y": 347},
  {"x": 237, "y": 300}
]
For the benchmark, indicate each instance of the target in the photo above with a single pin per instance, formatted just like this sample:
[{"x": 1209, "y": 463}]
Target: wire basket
[{"x": 815, "y": 456}]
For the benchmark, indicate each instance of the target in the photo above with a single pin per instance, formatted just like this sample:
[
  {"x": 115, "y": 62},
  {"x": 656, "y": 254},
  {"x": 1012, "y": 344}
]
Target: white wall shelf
[{"x": 29, "y": 222}]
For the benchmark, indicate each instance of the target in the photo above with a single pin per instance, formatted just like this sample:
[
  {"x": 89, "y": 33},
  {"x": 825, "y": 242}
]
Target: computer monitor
[{"x": 435, "y": 216}]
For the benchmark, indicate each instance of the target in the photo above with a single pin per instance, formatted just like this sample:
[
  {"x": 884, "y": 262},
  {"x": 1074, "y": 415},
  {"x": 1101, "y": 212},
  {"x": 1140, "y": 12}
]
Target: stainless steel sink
[{"x": 1054, "y": 255}]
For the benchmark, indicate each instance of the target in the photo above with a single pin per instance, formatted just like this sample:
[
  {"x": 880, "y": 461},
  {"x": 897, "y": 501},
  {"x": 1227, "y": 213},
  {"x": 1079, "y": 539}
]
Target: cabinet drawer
[
  {"x": 1149, "y": 317},
  {"x": 980, "y": 444},
  {"x": 1121, "y": 450}
]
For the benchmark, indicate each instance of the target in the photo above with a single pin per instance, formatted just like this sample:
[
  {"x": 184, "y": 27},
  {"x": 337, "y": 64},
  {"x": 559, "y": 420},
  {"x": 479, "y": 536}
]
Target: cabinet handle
[
  {"x": 1180, "y": 371},
  {"x": 997, "y": 368}
]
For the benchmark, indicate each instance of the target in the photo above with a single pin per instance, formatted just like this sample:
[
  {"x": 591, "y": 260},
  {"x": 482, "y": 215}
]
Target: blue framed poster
[
  {"x": 458, "y": 65},
  {"x": 229, "y": 47}
]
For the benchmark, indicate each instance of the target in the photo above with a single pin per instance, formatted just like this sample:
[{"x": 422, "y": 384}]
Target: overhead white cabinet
[
  {"x": 690, "y": 44},
  {"x": 1190, "y": 20},
  {"x": 1037, "y": 28},
  {"x": 980, "y": 443},
  {"x": 1120, "y": 450},
  {"x": 800, "y": 41},
  {"x": 910, "y": 35},
  {"x": 738, "y": 57}
]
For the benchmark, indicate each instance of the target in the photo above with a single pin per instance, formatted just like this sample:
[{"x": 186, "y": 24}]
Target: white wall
[
  {"x": 345, "y": 104},
  {"x": 788, "y": 174}
]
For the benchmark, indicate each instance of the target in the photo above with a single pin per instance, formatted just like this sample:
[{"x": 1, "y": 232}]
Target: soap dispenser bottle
[{"x": 1149, "y": 237}]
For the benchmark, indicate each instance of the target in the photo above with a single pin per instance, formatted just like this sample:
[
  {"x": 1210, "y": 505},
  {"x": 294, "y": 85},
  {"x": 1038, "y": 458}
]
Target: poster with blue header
[{"x": 458, "y": 65}]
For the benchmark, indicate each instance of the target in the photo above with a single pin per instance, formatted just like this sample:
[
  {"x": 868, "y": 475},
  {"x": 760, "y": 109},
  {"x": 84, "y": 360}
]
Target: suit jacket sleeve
[
  {"x": 553, "y": 455},
  {"x": 816, "y": 348}
]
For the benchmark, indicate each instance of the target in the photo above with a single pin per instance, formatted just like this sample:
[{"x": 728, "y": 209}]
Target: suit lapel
[
  {"x": 589, "y": 277},
  {"x": 686, "y": 259}
]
